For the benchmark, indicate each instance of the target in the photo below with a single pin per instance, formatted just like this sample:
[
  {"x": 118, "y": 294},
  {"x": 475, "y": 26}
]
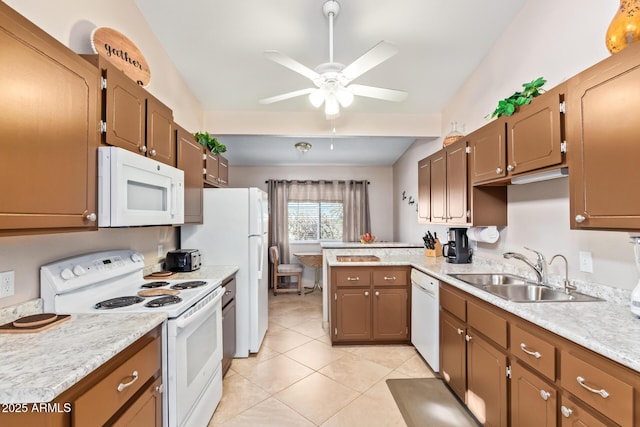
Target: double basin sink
[{"x": 518, "y": 289}]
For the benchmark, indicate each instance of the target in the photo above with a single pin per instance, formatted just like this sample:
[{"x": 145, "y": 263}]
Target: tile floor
[{"x": 299, "y": 379}]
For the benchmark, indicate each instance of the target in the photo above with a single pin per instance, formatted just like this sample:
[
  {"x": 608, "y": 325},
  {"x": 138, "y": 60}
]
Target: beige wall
[{"x": 570, "y": 40}]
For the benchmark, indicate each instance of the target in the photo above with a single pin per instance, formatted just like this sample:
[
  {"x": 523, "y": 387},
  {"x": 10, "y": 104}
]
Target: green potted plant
[
  {"x": 508, "y": 106},
  {"x": 208, "y": 141}
]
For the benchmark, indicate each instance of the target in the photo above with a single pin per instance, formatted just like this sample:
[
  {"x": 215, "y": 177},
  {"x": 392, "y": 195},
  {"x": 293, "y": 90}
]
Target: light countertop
[
  {"x": 605, "y": 327},
  {"x": 358, "y": 245}
]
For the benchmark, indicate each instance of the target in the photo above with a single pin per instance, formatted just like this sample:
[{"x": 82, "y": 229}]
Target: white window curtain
[{"x": 354, "y": 196}]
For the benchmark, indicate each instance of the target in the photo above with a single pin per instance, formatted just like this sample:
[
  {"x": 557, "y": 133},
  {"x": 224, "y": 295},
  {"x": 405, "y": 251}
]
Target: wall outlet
[
  {"x": 160, "y": 250},
  {"x": 586, "y": 262},
  {"x": 7, "y": 283}
]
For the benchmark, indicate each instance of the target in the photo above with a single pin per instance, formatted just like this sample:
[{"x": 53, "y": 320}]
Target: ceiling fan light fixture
[
  {"x": 345, "y": 97},
  {"x": 302, "y": 146},
  {"x": 317, "y": 97},
  {"x": 331, "y": 105}
]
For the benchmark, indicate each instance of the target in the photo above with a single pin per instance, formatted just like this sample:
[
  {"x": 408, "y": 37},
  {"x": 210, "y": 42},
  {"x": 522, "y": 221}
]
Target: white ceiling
[{"x": 217, "y": 47}]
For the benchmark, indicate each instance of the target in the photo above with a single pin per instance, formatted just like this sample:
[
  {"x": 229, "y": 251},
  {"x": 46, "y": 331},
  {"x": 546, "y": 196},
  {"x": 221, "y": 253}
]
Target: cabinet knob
[
  {"x": 377, "y": 293},
  {"x": 366, "y": 293},
  {"x": 566, "y": 412},
  {"x": 545, "y": 395},
  {"x": 460, "y": 331},
  {"x": 91, "y": 217},
  {"x": 468, "y": 338},
  {"x": 499, "y": 171},
  {"x": 142, "y": 148},
  {"x": 580, "y": 218},
  {"x": 510, "y": 168},
  {"x": 152, "y": 152}
]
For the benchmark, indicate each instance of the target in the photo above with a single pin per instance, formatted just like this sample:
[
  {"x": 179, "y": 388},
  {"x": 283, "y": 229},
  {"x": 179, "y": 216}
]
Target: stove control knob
[
  {"x": 66, "y": 274},
  {"x": 79, "y": 270},
  {"x": 137, "y": 257}
]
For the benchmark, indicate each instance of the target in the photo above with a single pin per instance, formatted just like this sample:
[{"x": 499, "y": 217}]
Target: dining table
[{"x": 312, "y": 259}]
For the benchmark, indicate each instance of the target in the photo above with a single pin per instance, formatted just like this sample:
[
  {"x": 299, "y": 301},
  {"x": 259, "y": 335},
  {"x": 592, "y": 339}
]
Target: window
[{"x": 315, "y": 221}]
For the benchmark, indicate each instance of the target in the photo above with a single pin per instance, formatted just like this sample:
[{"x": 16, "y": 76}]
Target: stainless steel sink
[{"x": 518, "y": 289}]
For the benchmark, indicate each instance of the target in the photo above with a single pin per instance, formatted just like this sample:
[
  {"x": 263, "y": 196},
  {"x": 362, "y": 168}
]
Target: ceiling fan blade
[
  {"x": 374, "y": 56},
  {"x": 378, "y": 92},
  {"x": 287, "y": 95},
  {"x": 291, "y": 64}
]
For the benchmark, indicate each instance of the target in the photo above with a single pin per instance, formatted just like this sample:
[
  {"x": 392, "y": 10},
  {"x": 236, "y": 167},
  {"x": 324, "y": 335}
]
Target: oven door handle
[{"x": 182, "y": 322}]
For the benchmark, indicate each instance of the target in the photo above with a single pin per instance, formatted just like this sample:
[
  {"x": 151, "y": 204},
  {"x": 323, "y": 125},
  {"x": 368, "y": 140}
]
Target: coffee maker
[{"x": 457, "y": 250}]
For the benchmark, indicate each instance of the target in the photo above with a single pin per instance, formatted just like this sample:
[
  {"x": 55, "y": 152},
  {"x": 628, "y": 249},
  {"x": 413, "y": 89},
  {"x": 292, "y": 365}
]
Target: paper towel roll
[{"x": 483, "y": 234}]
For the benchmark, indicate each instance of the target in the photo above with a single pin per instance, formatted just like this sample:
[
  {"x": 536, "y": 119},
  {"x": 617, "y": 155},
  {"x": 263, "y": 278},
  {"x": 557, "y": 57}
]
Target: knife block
[{"x": 436, "y": 252}]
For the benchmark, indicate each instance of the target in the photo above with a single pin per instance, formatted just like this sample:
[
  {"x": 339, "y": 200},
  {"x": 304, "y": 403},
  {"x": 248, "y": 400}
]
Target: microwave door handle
[
  {"x": 182, "y": 323},
  {"x": 174, "y": 199}
]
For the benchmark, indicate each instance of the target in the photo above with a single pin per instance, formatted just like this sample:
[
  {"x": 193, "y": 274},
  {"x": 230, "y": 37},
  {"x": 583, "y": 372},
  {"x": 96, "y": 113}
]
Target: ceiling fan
[{"x": 333, "y": 79}]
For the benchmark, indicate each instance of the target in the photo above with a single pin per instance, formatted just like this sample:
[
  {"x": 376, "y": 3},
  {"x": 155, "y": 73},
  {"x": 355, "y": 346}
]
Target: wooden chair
[{"x": 284, "y": 270}]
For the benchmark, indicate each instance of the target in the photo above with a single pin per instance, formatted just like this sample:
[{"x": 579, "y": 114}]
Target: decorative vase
[
  {"x": 625, "y": 26},
  {"x": 452, "y": 136}
]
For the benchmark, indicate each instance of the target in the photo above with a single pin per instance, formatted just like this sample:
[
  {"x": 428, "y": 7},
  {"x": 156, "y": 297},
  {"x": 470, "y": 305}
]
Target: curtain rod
[{"x": 314, "y": 181}]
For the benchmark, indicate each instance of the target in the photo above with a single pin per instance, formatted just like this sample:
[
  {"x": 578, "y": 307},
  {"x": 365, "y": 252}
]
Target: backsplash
[{"x": 27, "y": 308}]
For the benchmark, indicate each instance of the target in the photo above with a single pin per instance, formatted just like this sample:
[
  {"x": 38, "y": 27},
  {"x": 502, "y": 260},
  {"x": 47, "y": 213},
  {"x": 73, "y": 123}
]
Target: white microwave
[{"x": 135, "y": 190}]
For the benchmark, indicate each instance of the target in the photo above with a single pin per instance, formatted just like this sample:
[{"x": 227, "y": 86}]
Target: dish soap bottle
[{"x": 635, "y": 294}]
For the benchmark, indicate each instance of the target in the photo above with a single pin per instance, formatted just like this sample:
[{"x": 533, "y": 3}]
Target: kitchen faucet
[
  {"x": 568, "y": 287},
  {"x": 540, "y": 267}
]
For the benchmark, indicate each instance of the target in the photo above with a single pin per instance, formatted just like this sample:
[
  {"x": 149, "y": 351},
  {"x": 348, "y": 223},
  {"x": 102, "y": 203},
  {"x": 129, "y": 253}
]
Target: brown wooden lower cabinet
[
  {"x": 369, "y": 304},
  {"x": 510, "y": 372},
  {"x": 97, "y": 400}
]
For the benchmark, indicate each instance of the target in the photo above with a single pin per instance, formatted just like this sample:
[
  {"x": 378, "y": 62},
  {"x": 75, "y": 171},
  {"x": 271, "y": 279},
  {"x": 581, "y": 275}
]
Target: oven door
[{"x": 194, "y": 347}]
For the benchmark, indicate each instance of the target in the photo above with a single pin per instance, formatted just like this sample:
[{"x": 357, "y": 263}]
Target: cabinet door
[
  {"x": 223, "y": 171},
  {"x": 602, "y": 132},
  {"x": 228, "y": 335},
  {"x": 161, "y": 144},
  {"x": 48, "y": 131},
  {"x": 353, "y": 314},
  {"x": 486, "y": 381},
  {"x": 439, "y": 186},
  {"x": 453, "y": 356},
  {"x": 535, "y": 133},
  {"x": 424, "y": 189},
  {"x": 533, "y": 401},
  {"x": 189, "y": 159},
  {"x": 390, "y": 314},
  {"x": 488, "y": 152},
  {"x": 457, "y": 182},
  {"x": 146, "y": 410},
  {"x": 125, "y": 105},
  {"x": 211, "y": 165}
]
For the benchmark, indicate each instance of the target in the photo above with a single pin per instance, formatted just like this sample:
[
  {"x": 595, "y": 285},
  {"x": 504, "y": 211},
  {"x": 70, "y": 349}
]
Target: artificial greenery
[
  {"x": 208, "y": 141},
  {"x": 508, "y": 106}
]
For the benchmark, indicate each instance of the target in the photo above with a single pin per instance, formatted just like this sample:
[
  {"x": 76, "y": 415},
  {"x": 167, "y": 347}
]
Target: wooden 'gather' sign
[{"x": 122, "y": 53}]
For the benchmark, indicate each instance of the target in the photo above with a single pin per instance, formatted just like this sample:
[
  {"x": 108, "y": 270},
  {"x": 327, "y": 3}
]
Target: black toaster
[{"x": 183, "y": 260}]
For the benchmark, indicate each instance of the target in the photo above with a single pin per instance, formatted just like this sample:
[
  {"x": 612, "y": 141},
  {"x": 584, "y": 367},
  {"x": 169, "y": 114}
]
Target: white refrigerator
[{"x": 234, "y": 232}]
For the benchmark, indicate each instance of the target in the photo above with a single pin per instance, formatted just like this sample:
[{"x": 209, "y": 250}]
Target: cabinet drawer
[
  {"x": 453, "y": 303},
  {"x": 618, "y": 403},
  {"x": 533, "y": 351},
  {"x": 353, "y": 277},
  {"x": 488, "y": 323},
  {"x": 390, "y": 277},
  {"x": 102, "y": 400}
]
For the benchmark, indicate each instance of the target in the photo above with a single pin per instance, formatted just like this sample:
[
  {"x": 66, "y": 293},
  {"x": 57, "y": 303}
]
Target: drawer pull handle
[
  {"x": 353, "y": 279},
  {"x": 545, "y": 395},
  {"x": 227, "y": 293},
  {"x": 460, "y": 331},
  {"x": 122, "y": 386},
  {"x": 535, "y": 354},
  {"x": 602, "y": 392},
  {"x": 566, "y": 412},
  {"x": 390, "y": 278}
]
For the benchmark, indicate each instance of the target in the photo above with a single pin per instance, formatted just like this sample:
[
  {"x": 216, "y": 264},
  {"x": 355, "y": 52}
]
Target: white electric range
[{"x": 111, "y": 281}]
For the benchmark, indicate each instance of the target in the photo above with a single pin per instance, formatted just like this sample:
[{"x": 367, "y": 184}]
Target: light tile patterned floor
[{"x": 299, "y": 379}]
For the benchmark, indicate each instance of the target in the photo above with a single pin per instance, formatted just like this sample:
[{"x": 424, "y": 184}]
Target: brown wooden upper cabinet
[
  {"x": 424, "y": 189},
  {"x": 216, "y": 170},
  {"x": 48, "y": 132},
  {"x": 532, "y": 139},
  {"x": 189, "y": 159},
  {"x": 602, "y": 132},
  {"x": 132, "y": 118}
]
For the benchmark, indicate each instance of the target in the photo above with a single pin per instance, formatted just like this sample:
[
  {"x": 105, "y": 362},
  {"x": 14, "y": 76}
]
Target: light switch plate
[
  {"x": 160, "y": 250},
  {"x": 586, "y": 261}
]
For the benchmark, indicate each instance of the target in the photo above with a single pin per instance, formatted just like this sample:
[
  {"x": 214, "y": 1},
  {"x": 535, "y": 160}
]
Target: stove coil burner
[
  {"x": 162, "y": 301},
  {"x": 151, "y": 285},
  {"x": 189, "y": 285},
  {"x": 118, "y": 302}
]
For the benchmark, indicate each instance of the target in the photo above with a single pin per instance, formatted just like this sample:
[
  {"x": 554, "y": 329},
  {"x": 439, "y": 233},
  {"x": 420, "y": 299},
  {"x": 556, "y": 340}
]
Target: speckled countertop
[
  {"x": 37, "y": 367},
  {"x": 344, "y": 245},
  {"x": 605, "y": 327}
]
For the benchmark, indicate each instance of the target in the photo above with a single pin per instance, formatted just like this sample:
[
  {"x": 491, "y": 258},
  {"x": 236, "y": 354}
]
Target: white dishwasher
[{"x": 424, "y": 317}]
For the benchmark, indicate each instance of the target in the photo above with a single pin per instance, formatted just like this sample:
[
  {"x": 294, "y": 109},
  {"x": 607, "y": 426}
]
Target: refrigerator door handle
[{"x": 260, "y": 257}]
